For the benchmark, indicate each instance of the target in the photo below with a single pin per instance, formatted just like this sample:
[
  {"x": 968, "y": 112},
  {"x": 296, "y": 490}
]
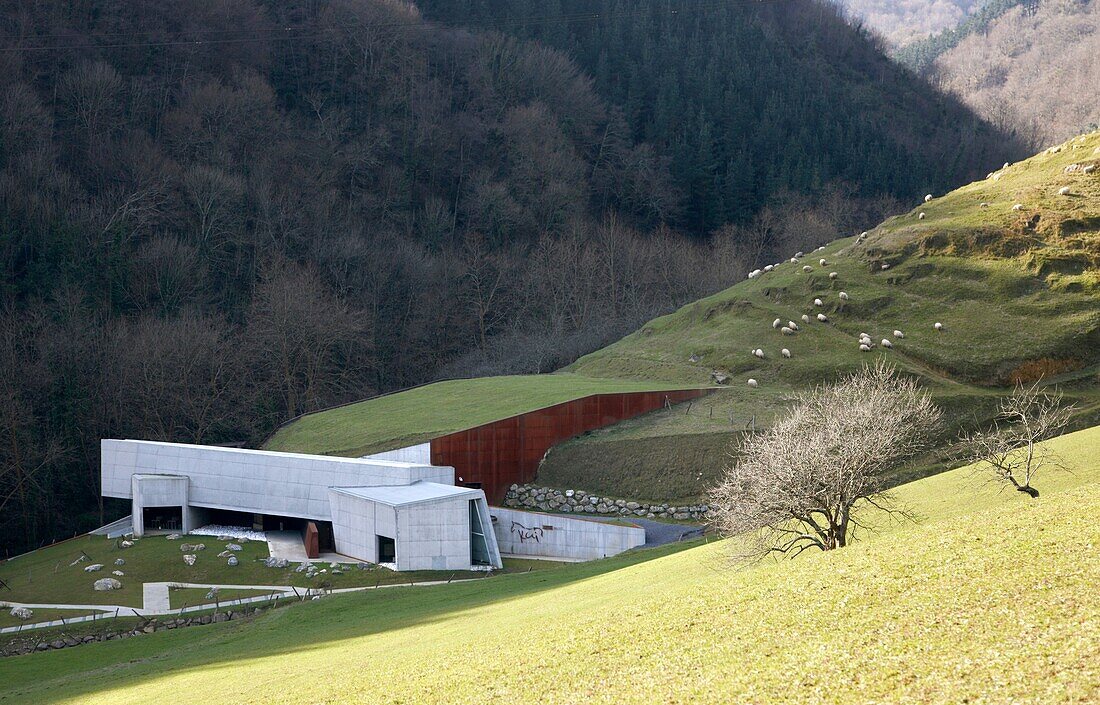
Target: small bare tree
[
  {"x": 800, "y": 484},
  {"x": 1010, "y": 451}
]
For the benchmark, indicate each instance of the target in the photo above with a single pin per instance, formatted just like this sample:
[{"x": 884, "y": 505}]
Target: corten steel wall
[{"x": 508, "y": 451}]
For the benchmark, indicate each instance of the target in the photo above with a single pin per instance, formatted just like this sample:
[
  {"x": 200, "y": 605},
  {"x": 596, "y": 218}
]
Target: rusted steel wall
[{"x": 508, "y": 451}]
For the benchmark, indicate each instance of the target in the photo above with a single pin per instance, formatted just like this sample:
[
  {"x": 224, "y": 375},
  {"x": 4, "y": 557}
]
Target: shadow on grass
[{"x": 57, "y": 676}]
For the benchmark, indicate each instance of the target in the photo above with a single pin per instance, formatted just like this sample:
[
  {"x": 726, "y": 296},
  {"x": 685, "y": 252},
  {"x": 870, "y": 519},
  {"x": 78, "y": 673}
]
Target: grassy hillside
[
  {"x": 987, "y": 597},
  {"x": 406, "y": 418}
]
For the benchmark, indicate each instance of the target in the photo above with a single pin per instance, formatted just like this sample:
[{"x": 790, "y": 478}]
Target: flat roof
[
  {"x": 279, "y": 453},
  {"x": 403, "y": 495}
]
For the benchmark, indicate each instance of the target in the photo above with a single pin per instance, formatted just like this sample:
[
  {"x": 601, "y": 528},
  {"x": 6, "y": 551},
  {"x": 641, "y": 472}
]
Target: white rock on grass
[
  {"x": 127, "y": 544},
  {"x": 93, "y": 568},
  {"x": 105, "y": 584},
  {"x": 119, "y": 573},
  {"x": 232, "y": 561},
  {"x": 172, "y": 537},
  {"x": 119, "y": 561},
  {"x": 23, "y": 613},
  {"x": 232, "y": 547},
  {"x": 190, "y": 559}
]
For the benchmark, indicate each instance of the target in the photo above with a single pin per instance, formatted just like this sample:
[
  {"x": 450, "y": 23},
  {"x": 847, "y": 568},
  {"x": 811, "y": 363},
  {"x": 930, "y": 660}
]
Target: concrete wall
[
  {"x": 356, "y": 522},
  {"x": 522, "y": 533},
  {"x": 157, "y": 491},
  {"x": 420, "y": 454},
  {"x": 264, "y": 482}
]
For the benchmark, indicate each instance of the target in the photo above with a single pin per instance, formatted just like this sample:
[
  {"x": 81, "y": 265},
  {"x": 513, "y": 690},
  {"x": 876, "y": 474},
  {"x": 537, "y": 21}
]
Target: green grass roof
[
  {"x": 986, "y": 597},
  {"x": 417, "y": 415}
]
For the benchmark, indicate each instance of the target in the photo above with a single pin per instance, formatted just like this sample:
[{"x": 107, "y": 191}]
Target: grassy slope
[
  {"x": 1016, "y": 295},
  {"x": 397, "y": 420},
  {"x": 989, "y": 597},
  {"x": 40, "y": 615}
]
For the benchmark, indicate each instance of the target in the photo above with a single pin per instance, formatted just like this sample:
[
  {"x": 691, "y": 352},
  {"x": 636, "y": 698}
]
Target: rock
[
  {"x": 192, "y": 547},
  {"x": 59, "y": 644},
  {"x": 212, "y": 594},
  {"x": 232, "y": 561},
  {"x": 127, "y": 544},
  {"x": 172, "y": 537},
  {"x": 720, "y": 377},
  {"x": 232, "y": 547},
  {"x": 302, "y": 567},
  {"x": 189, "y": 559},
  {"x": 632, "y": 505},
  {"x": 93, "y": 567},
  {"x": 23, "y": 613},
  {"x": 225, "y": 554},
  {"x": 273, "y": 562},
  {"x": 119, "y": 561},
  {"x": 119, "y": 573},
  {"x": 225, "y": 537},
  {"x": 105, "y": 584},
  {"x": 337, "y": 571},
  {"x": 366, "y": 566}
]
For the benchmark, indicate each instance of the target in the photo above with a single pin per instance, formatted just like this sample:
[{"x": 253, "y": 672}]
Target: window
[{"x": 479, "y": 547}]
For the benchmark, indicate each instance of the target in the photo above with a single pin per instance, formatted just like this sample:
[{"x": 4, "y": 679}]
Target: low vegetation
[{"x": 929, "y": 610}]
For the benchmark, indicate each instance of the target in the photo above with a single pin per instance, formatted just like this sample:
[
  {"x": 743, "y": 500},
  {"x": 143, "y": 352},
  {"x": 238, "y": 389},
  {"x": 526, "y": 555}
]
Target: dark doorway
[
  {"x": 387, "y": 550},
  {"x": 163, "y": 518}
]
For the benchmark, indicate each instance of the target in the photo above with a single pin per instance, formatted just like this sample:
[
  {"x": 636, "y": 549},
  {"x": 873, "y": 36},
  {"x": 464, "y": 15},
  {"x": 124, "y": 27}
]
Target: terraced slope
[{"x": 986, "y": 598}]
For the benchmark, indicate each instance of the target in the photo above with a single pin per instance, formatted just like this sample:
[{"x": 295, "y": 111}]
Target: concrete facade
[
  {"x": 420, "y": 453},
  {"x": 416, "y": 505},
  {"x": 521, "y": 533}
]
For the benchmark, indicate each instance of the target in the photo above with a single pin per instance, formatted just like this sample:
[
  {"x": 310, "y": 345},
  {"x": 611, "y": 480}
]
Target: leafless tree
[
  {"x": 1010, "y": 452},
  {"x": 803, "y": 483}
]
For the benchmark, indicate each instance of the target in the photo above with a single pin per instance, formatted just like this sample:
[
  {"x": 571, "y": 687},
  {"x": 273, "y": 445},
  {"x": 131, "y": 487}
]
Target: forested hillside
[
  {"x": 903, "y": 22},
  {"x": 215, "y": 216},
  {"x": 746, "y": 100},
  {"x": 1034, "y": 69}
]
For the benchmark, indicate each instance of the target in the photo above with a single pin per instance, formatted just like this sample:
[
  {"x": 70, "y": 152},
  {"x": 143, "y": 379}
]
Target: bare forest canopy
[
  {"x": 217, "y": 215},
  {"x": 905, "y": 22}
]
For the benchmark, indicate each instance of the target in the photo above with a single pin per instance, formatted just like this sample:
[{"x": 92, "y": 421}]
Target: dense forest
[{"x": 217, "y": 215}]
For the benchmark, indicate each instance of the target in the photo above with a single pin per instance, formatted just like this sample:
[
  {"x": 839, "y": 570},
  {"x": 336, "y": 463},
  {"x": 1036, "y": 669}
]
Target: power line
[{"x": 317, "y": 31}]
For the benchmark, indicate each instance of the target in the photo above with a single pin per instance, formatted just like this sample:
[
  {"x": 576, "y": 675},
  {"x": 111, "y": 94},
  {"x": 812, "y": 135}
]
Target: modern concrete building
[{"x": 409, "y": 514}]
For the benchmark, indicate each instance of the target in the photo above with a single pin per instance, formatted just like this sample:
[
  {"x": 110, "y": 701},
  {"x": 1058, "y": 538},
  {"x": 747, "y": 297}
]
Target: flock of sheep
[{"x": 866, "y": 344}]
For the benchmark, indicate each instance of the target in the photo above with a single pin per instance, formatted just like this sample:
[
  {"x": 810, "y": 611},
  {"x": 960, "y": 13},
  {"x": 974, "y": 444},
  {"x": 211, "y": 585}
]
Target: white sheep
[
  {"x": 886, "y": 343},
  {"x": 1005, "y": 165},
  {"x": 1089, "y": 169},
  {"x": 777, "y": 323},
  {"x": 822, "y": 262},
  {"x": 833, "y": 275},
  {"x": 807, "y": 268},
  {"x": 785, "y": 352},
  {"x": 927, "y": 197},
  {"x": 769, "y": 268},
  {"x": 885, "y": 267},
  {"x": 792, "y": 325},
  {"x": 752, "y": 383},
  {"x": 817, "y": 302},
  {"x": 799, "y": 254},
  {"x": 1018, "y": 207},
  {"x": 1064, "y": 191},
  {"x": 984, "y": 205},
  {"x": 786, "y": 331},
  {"x": 938, "y": 326},
  {"x": 920, "y": 216},
  {"x": 899, "y": 334},
  {"x": 843, "y": 296},
  {"x": 805, "y": 318},
  {"x": 823, "y": 318},
  {"x": 864, "y": 348},
  {"x": 759, "y": 352},
  {"x": 794, "y": 260}
]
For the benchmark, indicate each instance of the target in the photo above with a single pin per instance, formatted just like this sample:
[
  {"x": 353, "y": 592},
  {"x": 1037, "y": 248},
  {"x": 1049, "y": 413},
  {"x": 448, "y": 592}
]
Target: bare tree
[
  {"x": 802, "y": 483},
  {"x": 1010, "y": 452}
]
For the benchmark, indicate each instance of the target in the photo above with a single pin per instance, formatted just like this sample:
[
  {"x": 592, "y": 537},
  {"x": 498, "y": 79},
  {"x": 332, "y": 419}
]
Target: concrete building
[{"x": 409, "y": 514}]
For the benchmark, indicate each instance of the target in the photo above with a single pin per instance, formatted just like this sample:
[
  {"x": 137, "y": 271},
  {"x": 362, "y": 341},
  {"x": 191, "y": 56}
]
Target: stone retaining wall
[{"x": 548, "y": 499}]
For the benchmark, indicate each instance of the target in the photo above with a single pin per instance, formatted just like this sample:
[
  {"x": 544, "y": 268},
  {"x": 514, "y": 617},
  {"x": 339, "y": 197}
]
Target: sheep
[
  {"x": 927, "y": 197},
  {"x": 1018, "y": 207},
  {"x": 822, "y": 262},
  {"x": 938, "y": 326},
  {"x": 1006, "y": 165},
  {"x": 769, "y": 268},
  {"x": 786, "y": 331},
  {"x": 843, "y": 296},
  {"x": 833, "y": 275},
  {"x": 799, "y": 254},
  {"x": 823, "y": 318},
  {"x": 1064, "y": 191},
  {"x": 1089, "y": 169},
  {"x": 759, "y": 352},
  {"x": 752, "y": 382},
  {"x": 754, "y": 274},
  {"x": 864, "y": 348},
  {"x": 794, "y": 260},
  {"x": 983, "y": 205},
  {"x": 887, "y": 344},
  {"x": 817, "y": 302},
  {"x": 920, "y": 216},
  {"x": 899, "y": 334},
  {"x": 885, "y": 267},
  {"x": 805, "y": 318},
  {"x": 777, "y": 323},
  {"x": 785, "y": 353},
  {"x": 792, "y": 325},
  {"x": 807, "y": 268}
]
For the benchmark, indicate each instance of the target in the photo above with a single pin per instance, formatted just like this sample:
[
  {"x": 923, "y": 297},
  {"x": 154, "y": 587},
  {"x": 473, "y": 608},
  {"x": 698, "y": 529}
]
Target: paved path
[{"x": 657, "y": 533}]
